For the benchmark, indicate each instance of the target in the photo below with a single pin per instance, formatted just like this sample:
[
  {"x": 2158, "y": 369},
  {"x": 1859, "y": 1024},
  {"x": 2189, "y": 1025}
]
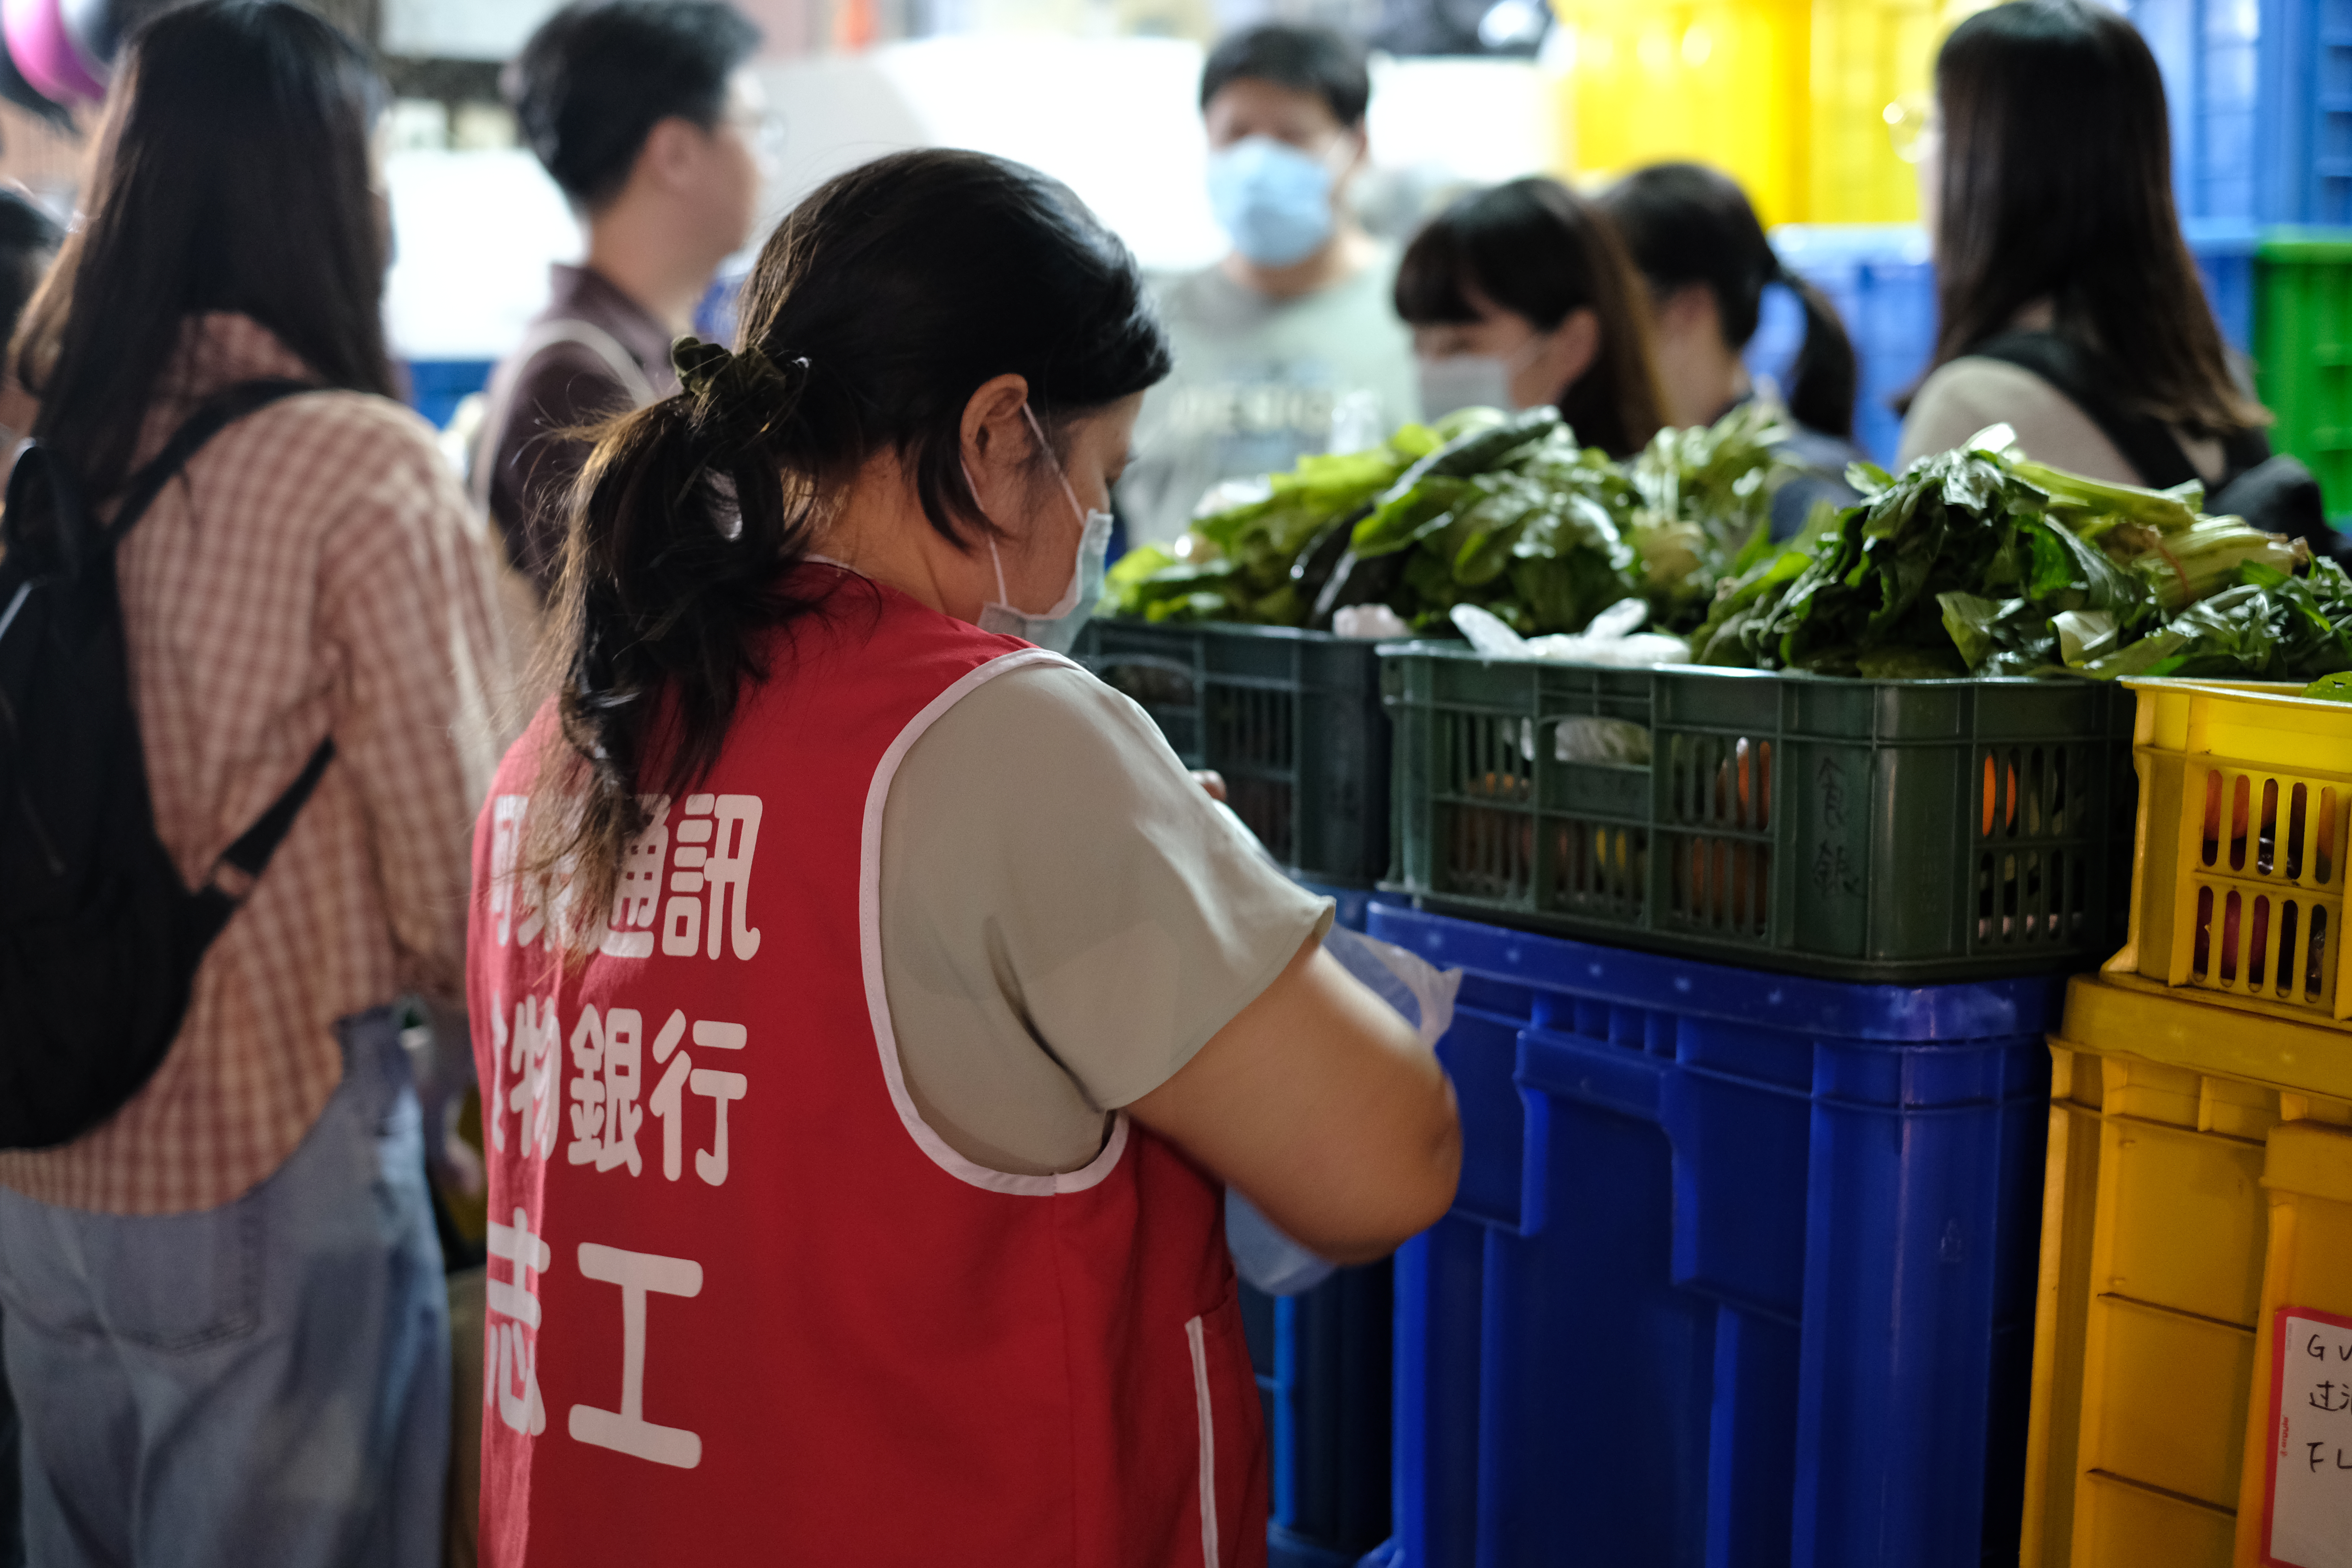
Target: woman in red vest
[{"x": 870, "y": 1010}]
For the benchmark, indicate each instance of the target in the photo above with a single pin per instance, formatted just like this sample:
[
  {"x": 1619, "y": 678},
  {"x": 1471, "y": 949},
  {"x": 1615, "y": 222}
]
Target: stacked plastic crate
[
  {"x": 1741, "y": 1269},
  {"x": 2192, "y": 1365}
]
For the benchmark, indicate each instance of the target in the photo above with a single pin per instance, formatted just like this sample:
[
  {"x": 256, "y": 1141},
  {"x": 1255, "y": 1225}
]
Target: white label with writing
[{"x": 2310, "y": 1522}]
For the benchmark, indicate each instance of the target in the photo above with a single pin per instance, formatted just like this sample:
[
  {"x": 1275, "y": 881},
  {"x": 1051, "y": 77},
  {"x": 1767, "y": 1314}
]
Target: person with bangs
[
  {"x": 1707, "y": 264},
  {"x": 1523, "y": 295}
]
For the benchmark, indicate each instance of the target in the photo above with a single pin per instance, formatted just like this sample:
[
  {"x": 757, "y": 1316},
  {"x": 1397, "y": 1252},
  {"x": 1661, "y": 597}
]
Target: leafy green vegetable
[
  {"x": 1979, "y": 562},
  {"x": 1702, "y": 494},
  {"x": 2270, "y": 626}
]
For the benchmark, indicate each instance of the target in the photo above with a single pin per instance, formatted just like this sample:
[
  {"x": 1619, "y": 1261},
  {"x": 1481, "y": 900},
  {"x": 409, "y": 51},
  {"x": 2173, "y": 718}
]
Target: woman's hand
[{"x": 1318, "y": 1103}]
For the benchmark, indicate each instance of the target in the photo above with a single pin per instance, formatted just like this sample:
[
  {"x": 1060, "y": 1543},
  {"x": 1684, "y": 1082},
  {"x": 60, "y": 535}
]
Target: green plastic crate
[
  {"x": 1885, "y": 831},
  {"x": 1292, "y": 719},
  {"x": 2302, "y": 351}
]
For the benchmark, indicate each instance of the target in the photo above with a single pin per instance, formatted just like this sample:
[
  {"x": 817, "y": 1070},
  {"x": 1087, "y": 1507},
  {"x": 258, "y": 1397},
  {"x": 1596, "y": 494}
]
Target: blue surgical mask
[
  {"x": 1273, "y": 199},
  {"x": 1058, "y": 627}
]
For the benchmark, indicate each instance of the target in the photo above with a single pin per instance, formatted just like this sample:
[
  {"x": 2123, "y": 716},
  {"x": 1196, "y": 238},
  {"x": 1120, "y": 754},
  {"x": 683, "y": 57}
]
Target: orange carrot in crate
[{"x": 1990, "y": 779}]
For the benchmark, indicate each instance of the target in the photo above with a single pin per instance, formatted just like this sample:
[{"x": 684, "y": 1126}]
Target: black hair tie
[{"x": 740, "y": 393}]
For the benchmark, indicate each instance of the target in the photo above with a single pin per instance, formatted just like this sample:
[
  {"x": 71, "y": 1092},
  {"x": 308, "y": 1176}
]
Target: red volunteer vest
[{"x": 744, "y": 1305}]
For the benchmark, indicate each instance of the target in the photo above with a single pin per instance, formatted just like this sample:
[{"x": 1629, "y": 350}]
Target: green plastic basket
[
  {"x": 2302, "y": 349},
  {"x": 1292, "y": 719},
  {"x": 1883, "y": 831}
]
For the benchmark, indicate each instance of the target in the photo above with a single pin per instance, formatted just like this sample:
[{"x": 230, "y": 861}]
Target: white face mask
[
  {"x": 1471, "y": 381},
  {"x": 1057, "y": 628}
]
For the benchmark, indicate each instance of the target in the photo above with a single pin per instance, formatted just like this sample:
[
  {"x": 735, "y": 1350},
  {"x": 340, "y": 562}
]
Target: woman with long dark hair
[
  {"x": 2069, "y": 306},
  {"x": 1523, "y": 295},
  {"x": 226, "y": 1324},
  {"x": 872, "y": 1006},
  {"x": 1696, "y": 238}
]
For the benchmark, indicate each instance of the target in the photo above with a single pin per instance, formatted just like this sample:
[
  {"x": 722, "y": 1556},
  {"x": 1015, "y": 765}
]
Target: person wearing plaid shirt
[{"x": 225, "y": 1317}]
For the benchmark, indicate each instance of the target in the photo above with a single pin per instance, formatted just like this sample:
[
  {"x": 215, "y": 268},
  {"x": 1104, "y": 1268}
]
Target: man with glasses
[
  {"x": 646, "y": 114},
  {"x": 1289, "y": 345}
]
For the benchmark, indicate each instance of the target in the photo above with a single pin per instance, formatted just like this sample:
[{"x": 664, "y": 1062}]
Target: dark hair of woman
[
  {"x": 232, "y": 175},
  {"x": 2056, "y": 186},
  {"x": 28, "y": 239},
  {"x": 1686, "y": 224},
  {"x": 1538, "y": 249},
  {"x": 875, "y": 311}
]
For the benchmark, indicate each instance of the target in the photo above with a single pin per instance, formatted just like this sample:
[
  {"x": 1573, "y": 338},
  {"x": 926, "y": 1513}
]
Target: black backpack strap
[
  {"x": 2147, "y": 443},
  {"x": 75, "y": 536},
  {"x": 242, "y": 863},
  {"x": 218, "y": 412}
]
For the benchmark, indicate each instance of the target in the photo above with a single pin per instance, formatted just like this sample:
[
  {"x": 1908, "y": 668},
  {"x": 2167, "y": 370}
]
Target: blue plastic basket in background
[
  {"x": 2262, "y": 120},
  {"x": 1880, "y": 278},
  {"x": 436, "y": 386},
  {"x": 1741, "y": 1269}
]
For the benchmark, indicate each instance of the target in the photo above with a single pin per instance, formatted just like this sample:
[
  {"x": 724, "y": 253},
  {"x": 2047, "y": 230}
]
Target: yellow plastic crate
[
  {"x": 1788, "y": 96},
  {"x": 2245, "y": 800},
  {"x": 1722, "y": 82},
  {"x": 2199, "y": 1180}
]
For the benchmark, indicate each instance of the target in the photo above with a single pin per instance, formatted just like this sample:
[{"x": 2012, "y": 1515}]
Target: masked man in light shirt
[{"x": 1289, "y": 345}]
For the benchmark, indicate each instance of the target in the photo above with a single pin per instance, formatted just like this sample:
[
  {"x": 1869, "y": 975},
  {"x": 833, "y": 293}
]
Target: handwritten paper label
[{"x": 2309, "y": 1518}]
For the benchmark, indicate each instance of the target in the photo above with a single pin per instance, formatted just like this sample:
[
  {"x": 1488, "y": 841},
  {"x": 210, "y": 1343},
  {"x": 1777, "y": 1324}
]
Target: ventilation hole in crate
[
  {"x": 1483, "y": 760},
  {"x": 2200, "y": 961},
  {"x": 2296, "y": 803},
  {"x": 2038, "y": 780},
  {"x": 1596, "y": 868},
  {"x": 1253, "y": 728},
  {"x": 2258, "y": 934},
  {"x": 2322, "y": 854},
  {"x": 2315, "y": 958},
  {"x": 2232, "y": 909},
  {"x": 2068, "y": 773},
  {"x": 2287, "y": 952},
  {"x": 2239, "y": 790},
  {"x": 2267, "y": 843},
  {"x": 1266, "y": 805},
  {"x": 2213, "y": 814},
  {"x": 1721, "y": 884},
  {"x": 1490, "y": 854}
]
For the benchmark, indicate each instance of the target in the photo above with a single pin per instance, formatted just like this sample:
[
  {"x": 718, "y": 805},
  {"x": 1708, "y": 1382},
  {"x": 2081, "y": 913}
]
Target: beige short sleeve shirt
[{"x": 1066, "y": 918}]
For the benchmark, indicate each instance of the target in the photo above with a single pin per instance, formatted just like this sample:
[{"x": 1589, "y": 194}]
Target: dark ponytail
[
  {"x": 1826, "y": 378},
  {"x": 1686, "y": 224},
  {"x": 877, "y": 309}
]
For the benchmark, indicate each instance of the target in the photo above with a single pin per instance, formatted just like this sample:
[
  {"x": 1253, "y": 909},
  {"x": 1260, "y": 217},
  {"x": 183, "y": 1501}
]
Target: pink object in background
[{"x": 45, "y": 52}]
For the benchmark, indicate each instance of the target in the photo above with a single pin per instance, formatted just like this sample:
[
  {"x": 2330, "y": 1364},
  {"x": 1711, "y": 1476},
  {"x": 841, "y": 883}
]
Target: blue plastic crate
[
  {"x": 436, "y": 386},
  {"x": 1742, "y": 1271},
  {"x": 2260, "y": 93},
  {"x": 1882, "y": 283}
]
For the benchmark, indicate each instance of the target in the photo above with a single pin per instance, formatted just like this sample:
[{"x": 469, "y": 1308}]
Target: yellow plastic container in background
[
  {"x": 1722, "y": 82},
  {"x": 1788, "y": 96},
  {"x": 2199, "y": 1181}
]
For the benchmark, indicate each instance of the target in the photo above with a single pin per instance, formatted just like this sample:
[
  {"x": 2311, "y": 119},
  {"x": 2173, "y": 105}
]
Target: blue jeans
[{"x": 266, "y": 1382}]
